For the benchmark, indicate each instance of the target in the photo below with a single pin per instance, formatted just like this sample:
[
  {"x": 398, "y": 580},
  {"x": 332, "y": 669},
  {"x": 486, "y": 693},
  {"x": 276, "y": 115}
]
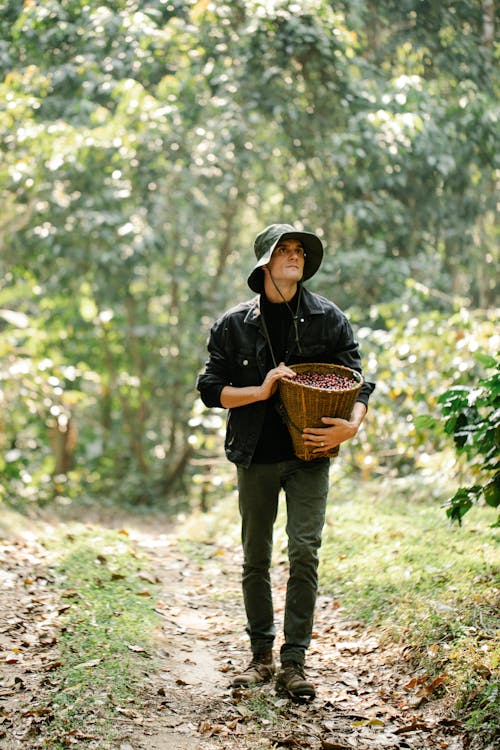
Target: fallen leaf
[
  {"x": 207, "y": 727},
  {"x": 137, "y": 649},
  {"x": 416, "y": 681},
  {"x": 127, "y": 712},
  {"x": 424, "y": 690},
  {"x": 331, "y": 744},
  {"x": 435, "y": 683},
  {"x": 413, "y": 727},
  {"x": 149, "y": 577},
  {"x": 88, "y": 664},
  {"x": 52, "y": 665},
  {"x": 71, "y": 594},
  {"x": 243, "y": 710}
]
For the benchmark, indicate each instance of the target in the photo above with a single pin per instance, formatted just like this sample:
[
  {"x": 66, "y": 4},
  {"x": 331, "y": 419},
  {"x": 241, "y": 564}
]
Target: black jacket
[{"x": 238, "y": 357}]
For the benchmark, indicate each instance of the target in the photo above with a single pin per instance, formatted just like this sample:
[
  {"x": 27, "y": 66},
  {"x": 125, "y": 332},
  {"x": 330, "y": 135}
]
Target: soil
[{"x": 368, "y": 694}]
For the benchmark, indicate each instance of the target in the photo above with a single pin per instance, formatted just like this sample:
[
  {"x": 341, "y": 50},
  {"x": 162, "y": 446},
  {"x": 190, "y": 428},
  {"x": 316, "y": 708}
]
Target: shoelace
[
  {"x": 256, "y": 662},
  {"x": 296, "y": 669}
]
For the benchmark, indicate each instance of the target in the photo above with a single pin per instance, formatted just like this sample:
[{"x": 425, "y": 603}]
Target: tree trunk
[{"x": 63, "y": 441}]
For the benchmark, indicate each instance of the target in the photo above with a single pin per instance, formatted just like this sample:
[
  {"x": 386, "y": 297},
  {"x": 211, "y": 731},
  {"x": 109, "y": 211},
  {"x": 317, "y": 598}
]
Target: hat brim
[{"x": 314, "y": 255}]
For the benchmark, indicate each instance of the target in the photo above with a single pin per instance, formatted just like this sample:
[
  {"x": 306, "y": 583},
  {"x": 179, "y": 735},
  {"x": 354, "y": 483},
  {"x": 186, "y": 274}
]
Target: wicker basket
[{"x": 304, "y": 405}]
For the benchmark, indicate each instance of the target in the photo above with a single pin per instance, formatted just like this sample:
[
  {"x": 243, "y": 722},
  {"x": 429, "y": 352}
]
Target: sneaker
[
  {"x": 292, "y": 681},
  {"x": 260, "y": 669}
]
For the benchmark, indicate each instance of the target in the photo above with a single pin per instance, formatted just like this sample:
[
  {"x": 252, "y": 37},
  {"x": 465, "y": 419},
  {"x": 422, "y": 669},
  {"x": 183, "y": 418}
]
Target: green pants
[{"x": 306, "y": 487}]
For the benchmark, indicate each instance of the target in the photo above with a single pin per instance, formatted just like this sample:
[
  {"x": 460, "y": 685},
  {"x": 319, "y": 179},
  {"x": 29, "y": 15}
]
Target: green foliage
[
  {"x": 142, "y": 147},
  {"x": 472, "y": 417},
  {"x": 414, "y": 355}
]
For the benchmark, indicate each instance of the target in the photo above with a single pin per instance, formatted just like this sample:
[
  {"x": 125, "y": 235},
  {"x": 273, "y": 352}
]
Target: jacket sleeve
[
  {"x": 215, "y": 376},
  {"x": 346, "y": 353}
]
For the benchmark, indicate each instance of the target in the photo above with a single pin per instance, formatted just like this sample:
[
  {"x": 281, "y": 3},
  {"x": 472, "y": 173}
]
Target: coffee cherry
[{"x": 327, "y": 381}]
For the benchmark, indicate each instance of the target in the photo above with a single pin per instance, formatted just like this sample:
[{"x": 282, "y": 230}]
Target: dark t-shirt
[{"x": 275, "y": 443}]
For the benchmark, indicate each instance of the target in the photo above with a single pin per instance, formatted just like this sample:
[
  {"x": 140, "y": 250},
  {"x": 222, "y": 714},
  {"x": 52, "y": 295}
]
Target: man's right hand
[
  {"x": 270, "y": 384},
  {"x": 231, "y": 397}
]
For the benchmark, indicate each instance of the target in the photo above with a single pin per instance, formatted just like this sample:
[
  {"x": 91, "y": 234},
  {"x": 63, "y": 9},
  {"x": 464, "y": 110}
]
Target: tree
[{"x": 144, "y": 144}]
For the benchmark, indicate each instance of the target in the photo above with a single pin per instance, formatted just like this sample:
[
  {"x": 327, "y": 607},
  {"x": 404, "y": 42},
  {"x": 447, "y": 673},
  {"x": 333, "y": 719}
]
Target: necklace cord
[{"x": 294, "y": 321}]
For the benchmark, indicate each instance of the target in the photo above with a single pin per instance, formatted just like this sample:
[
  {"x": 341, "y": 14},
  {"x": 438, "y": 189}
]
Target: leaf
[
  {"x": 332, "y": 744},
  {"x": 416, "y": 681},
  {"x": 413, "y": 727},
  {"x": 209, "y": 728},
  {"x": 52, "y": 666},
  {"x": 136, "y": 649},
  {"x": 436, "y": 682},
  {"x": 88, "y": 664},
  {"x": 243, "y": 710},
  {"x": 149, "y": 577},
  {"x": 425, "y": 421},
  {"x": 485, "y": 360},
  {"x": 491, "y": 492},
  {"x": 127, "y": 712},
  {"x": 424, "y": 690},
  {"x": 12, "y": 659},
  {"x": 71, "y": 594}
]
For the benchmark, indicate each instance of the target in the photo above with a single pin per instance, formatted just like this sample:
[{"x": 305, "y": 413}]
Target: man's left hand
[{"x": 336, "y": 431}]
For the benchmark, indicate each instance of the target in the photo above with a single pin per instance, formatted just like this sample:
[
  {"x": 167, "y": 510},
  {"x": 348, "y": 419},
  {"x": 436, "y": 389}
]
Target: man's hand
[
  {"x": 335, "y": 432},
  {"x": 232, "y": 396},
  {"x": 270, "y": 384}
]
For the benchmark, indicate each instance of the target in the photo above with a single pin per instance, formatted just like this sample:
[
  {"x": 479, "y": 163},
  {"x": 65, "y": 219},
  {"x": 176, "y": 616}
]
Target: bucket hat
[{"x": 266, "y": 242}]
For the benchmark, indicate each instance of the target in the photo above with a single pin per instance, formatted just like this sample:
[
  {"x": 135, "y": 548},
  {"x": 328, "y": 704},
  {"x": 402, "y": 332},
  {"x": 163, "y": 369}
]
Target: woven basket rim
[{"x": 357, "y": 378}]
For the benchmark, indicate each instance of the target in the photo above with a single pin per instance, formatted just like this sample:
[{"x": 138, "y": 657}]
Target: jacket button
[{"x": 245, "y": 362}]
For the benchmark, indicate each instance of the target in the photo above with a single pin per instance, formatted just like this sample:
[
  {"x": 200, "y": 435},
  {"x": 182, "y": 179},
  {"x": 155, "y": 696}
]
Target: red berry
[{"x": 327, "y": 381}]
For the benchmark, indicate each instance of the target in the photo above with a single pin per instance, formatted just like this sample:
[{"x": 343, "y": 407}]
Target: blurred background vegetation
[{"x": 143, "y": 145}]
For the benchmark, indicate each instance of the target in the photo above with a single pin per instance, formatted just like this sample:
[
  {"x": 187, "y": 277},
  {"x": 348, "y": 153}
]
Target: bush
[{"x": 472, "y": 417}]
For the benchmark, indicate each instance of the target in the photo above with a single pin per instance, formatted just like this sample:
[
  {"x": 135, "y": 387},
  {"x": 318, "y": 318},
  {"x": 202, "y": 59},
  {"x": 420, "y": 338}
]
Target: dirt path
[{"x": 368, "y": 696}]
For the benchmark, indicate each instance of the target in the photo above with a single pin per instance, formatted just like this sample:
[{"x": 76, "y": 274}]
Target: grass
[
  {"x": 106, "y": 635},
  {"x": 391, "y": 559}
]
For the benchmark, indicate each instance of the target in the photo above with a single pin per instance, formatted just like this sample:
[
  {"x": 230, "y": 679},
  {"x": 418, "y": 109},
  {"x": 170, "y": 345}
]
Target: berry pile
[{"x": 328, "y": 381}]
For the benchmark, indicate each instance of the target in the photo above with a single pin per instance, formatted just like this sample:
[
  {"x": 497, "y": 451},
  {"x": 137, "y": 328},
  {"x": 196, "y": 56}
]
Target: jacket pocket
[{"x": 245, "y": 371}]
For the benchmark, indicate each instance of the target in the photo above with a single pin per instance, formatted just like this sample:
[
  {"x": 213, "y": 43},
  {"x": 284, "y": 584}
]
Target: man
[{"x": 250, "y": 348}]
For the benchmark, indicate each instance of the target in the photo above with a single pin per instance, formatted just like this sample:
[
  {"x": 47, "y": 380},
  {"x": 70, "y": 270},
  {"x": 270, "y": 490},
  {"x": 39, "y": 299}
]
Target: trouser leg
[
  {"x": 306, "y": 487},
  {"x": 258, "y": 491}
]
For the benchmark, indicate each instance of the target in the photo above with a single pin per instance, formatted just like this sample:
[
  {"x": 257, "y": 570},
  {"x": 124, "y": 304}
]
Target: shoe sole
[
  {"x": 263, "y": 681},
  {"x": 304, "y": 697}
]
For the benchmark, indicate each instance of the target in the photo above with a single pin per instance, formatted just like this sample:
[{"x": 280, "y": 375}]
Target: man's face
[{"x": 287, "y": 261}]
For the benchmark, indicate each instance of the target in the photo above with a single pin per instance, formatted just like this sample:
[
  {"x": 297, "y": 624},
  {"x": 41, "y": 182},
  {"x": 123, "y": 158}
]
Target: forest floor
[{"x": 368, "y": 694}]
